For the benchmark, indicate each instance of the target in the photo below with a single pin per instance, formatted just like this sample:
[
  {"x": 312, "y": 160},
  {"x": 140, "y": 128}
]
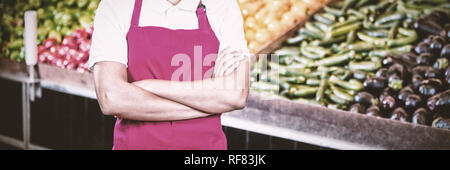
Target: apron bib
[{"x": 151, "y": 52}]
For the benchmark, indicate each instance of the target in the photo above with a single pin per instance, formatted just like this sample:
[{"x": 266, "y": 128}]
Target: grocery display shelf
[{"x": 274, "y": 116}]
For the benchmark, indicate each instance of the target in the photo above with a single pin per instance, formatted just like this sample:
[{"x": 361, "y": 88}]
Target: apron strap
[
  {"x": 136, "y": 13},
  {"x": 201, "y": 16}
]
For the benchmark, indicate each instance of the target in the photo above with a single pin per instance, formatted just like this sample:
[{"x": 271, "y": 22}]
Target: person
[{"x": 168, "y": 69}]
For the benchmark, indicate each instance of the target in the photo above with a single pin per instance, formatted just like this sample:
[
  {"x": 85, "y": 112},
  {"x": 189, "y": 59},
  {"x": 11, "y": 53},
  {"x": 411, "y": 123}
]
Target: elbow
[
  {"x": 239, "y": 99},
  {"x": 107, "y": 103}
]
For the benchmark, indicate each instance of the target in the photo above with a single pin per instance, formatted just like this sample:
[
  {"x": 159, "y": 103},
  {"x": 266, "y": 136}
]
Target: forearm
[
  {"x": 213, "y": 95},
  {"x": 164, "y": 116},
  {"x": 134, "y": 103},
  {"x": 118, "y": 97}
]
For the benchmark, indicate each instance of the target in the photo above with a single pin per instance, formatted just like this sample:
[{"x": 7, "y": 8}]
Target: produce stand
[{"x": 277, "y": 117}]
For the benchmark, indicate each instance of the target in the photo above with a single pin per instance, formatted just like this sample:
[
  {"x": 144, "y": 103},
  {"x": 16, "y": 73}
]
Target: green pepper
[
  {"x": 302, "y": 91},
  {"x": 296, "y": 39},
  {"x": 393, "y": 32},
  {"x": 312, "y": 28},
  {"x": 294, "y": 80},
  {"x": 309, "y": 54},
  {"x": 348, "y": 4},
  {"x": 389, "y": 18},
  {"x": 391, "y": 8},
  {"x": 323, "y": 19},
  {"x": 290, "y": 51},
  {"x": 394, "y": 51},
  {"x": 365, "y": 65},
  {"x": 293, "y": 71},
  {"x": 336, "y": 59},
  {"x": 323, "y": 27},
  {"x": 345, "y": 23},
  {"x": 351, "y": 85},
  {"x": 351, "y": 36},
  {"x": 402, "y": 7},
  {"x": 344, "y": 30},
  {"x": 341, "y": 93},
  {"x": 333, "y": 11},
  {"x": 307, "y": 101},
  {"x": 286, "y": 59},
  {"x": 361, "y": 46},
  {"x": 313, "y": 82},
  {"x": 378, "y": 42},
  {"x": 321, "y": 91},
  {"x": 264, "y": 86},
  {"x": 346, "y": 75},
  {"x": 311, "y": 34},
  {"x": 332, "y": 40},
  {"x": 368, "y": 25},
  {"x": 361, "y": 3},
  {"x": 337, "y": 99},
  {"x": 317, "y": 52},
  {"x": 336, "y": 70},
  {"x": 355, "y": 13},
  {"x": 411, "y": 37},
  {"x": 303, "y": 60}
]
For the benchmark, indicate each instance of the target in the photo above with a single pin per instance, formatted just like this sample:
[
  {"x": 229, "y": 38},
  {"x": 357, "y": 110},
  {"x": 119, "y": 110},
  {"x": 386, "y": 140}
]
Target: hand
[{"x": 227, "y": 62}]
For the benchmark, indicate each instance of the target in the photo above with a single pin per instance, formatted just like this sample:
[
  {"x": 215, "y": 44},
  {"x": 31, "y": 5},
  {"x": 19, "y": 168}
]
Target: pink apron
[{"x": 150, "y": 56}]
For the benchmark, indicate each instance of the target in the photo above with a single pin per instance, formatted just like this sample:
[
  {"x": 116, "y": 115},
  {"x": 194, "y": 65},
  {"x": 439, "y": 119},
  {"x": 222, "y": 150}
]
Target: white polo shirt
[{"x": 113, "y": 19}]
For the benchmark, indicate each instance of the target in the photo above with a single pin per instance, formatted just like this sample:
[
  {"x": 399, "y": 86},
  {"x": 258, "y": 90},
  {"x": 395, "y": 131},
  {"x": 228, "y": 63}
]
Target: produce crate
[
  {"x": 337, "y": 129},
  {"x": 13, "y": 70},
  {"x": 360, "y": 131},
  {"x": 51, "y": 77}
]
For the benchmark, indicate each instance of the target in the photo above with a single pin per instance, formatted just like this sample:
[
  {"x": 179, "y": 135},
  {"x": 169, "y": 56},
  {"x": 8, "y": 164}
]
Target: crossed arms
[{"x": 161, "y": 100}]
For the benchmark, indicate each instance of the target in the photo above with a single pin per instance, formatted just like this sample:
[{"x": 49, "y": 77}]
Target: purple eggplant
[
  {"x": 430, "y": 87},
  {"x": 387, "y": 102},
  {"x": 382, "y": 72},
  {"x": 428, "y": 27},
  {"x": 432, "y": 73},
  {"x": 425, "y": 59},
  {"x": 357, "y": 108},
  {"x": 440, "y": 103},
  {"x": 373, "y": 111},
  {"x": 365, "y": 99},
  {"x": 441, "y": 123},
  {"x": 422, "y": 47},
  {"x": 400, "y": 115},
  {"x": 446, "y": 51},
  {"x": 375, "y": 83},
  {"x": 404, "y": 93},
  {"x": 436, "y": 45},
  {"x": 420, "y": 116},
  {"x": 412, "y": 102},
  {"x": 416, "y": 81}
]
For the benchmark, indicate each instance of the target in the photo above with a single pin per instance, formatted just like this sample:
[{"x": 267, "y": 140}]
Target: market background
[{"x": 349, "y": 75}]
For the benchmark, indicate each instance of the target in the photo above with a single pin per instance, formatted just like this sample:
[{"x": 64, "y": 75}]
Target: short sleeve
[
  {"x": 111, "y": 25},
  {"x": 230, "y": 25}
]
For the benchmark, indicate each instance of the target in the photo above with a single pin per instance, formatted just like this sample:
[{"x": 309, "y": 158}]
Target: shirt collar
[{"x": 164, "y": 5}]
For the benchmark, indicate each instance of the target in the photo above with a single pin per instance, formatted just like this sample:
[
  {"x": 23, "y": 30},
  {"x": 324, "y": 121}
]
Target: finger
[
  {"x": 231, "y": 69},
  {"x": 229, "y": 64},
  {"x": 222, "y": 53},
  {"x": 222, "y": 65},
  {"x": 233, "y": 65}
]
